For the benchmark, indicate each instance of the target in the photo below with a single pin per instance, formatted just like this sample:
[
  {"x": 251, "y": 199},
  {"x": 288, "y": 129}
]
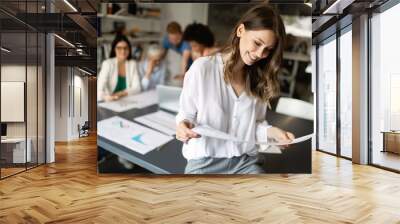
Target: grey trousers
[{"x": 244, "y": 164}]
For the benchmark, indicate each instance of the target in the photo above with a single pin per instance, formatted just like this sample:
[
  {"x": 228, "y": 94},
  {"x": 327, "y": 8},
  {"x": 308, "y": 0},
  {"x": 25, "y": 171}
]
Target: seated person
[
  {"x": 118, "y": 76},
  {"x": 152, "y": 70},
  {"x": 175, "y": 42},
  {"x": 201, "y": 40}
]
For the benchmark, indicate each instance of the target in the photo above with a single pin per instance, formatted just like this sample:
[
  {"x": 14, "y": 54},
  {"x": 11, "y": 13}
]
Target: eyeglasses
[{"x": 122, "y": 48}]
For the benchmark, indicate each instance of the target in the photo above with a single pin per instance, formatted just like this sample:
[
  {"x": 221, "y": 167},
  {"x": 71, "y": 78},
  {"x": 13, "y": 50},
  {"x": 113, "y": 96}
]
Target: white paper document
[
  {"x": 160, "y": 120},
  {"x": 213, "y": 133},
  {"x": 274, "y": 149},
  {"x": 134, "y": 101},
  {"x": 131, "y": 135}
]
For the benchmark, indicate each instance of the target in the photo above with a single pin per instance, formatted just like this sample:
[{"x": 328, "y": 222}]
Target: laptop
[{"x": 168, "y": 97}]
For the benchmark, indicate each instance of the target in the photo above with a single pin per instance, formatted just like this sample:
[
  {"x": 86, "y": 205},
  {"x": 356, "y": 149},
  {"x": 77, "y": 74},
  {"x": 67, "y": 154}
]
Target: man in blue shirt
[{"x": 175, "y": 42}]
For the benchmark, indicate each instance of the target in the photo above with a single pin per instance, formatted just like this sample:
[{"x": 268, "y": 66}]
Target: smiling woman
[
  {"x": 118, "y": 76},
  {"x": 256, "y": 45},
  {"x": 237, "y": 50},
  {"x": 240, "y": 81},
  {"x": 257, "y": 41}
]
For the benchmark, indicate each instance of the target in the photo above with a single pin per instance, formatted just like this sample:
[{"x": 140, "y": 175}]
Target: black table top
[{"x": 168, "y": 159}]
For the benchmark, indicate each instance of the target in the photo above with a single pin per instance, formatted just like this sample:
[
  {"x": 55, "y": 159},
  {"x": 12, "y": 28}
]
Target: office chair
[{"x": 84, "y": 130}]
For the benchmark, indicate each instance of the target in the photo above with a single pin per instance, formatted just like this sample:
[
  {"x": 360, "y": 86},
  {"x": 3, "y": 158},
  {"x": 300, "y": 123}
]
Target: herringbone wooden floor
[{"x": 70, "y": 191}]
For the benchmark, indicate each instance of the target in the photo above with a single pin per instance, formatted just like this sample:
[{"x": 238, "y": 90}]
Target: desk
[
  {"x": 13, "y": 150},
  {"x": 169, "y": 159},
  {"x": 391, "y": 141}
]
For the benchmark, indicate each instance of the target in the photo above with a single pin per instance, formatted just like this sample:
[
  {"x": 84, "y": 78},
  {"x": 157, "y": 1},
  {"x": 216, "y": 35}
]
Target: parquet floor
[
  {"x": 10, "y": 171},
  {"x": 70, "y": 191}
]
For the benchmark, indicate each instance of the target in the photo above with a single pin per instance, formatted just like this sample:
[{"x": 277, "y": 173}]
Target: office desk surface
[{"x": 168, "y": 159}]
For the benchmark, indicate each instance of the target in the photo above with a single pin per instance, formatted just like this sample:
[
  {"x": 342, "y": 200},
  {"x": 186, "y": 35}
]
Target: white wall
[
  {"x": 183, "y": 13},
  {"x": 17, "y": 73},
  {"x": 82, "y": 83},
  {"x": 61, "y": 103},
  {"x": 80, "y": 103},
  {"x": 69, "y": 85},
  {"x": 12, "y": 73}
]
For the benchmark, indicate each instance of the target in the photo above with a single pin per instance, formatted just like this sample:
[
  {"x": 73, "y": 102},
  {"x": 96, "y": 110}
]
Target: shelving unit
[
  {"x": 145, "y": 29},
  {"x": 296, "y": 56},
  {"x": 108, "y": 38},
  {"x": 288, "y": 76},
  {"x": 150, "y": 24}
]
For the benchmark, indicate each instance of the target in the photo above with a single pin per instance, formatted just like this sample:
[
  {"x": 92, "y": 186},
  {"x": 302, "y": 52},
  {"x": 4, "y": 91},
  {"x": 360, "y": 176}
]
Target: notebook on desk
[{"x": 168, "y": 97}]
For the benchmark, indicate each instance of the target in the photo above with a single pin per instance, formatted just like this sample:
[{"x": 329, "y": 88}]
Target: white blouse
[
  {"x": 207, "y": 100},
  {"x": 108, "y": 78}
]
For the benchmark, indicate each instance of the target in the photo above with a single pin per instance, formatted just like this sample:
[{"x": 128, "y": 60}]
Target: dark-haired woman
[
  {"x": 230, "y": 92},
  {"x": 118, "y": 76},
  {"x": 201, "y": 40}
]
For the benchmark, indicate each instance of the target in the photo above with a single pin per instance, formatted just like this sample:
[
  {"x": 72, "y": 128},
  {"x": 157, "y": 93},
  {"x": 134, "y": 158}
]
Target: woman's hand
[
  {"x": 120, "y": 94},
  {"x": 150, "y": 67},
  {"x": 110, "y": 98},
  {"x": 280, "y": 135},
  {"x": 115, "y": 96},
  {"x": 183, "y": 132}
]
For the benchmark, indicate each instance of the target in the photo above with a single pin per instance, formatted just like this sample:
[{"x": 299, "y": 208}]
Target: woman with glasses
[{"x": 118, "y": 76}]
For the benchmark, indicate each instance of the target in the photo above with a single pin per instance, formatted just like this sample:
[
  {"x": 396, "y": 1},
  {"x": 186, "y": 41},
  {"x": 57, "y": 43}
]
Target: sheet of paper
[
  {"x": 160, "y": 120},
  {"x": 269, "y": 149},
  {"x": 213, "y": 133},
  {"x": 131, "y": 135},
  {"x": 134, "y": 101}
]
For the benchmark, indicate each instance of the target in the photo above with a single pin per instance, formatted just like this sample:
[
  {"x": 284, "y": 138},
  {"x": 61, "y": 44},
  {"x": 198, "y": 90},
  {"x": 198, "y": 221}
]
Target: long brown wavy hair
[{"x": 260, "y": 78}]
